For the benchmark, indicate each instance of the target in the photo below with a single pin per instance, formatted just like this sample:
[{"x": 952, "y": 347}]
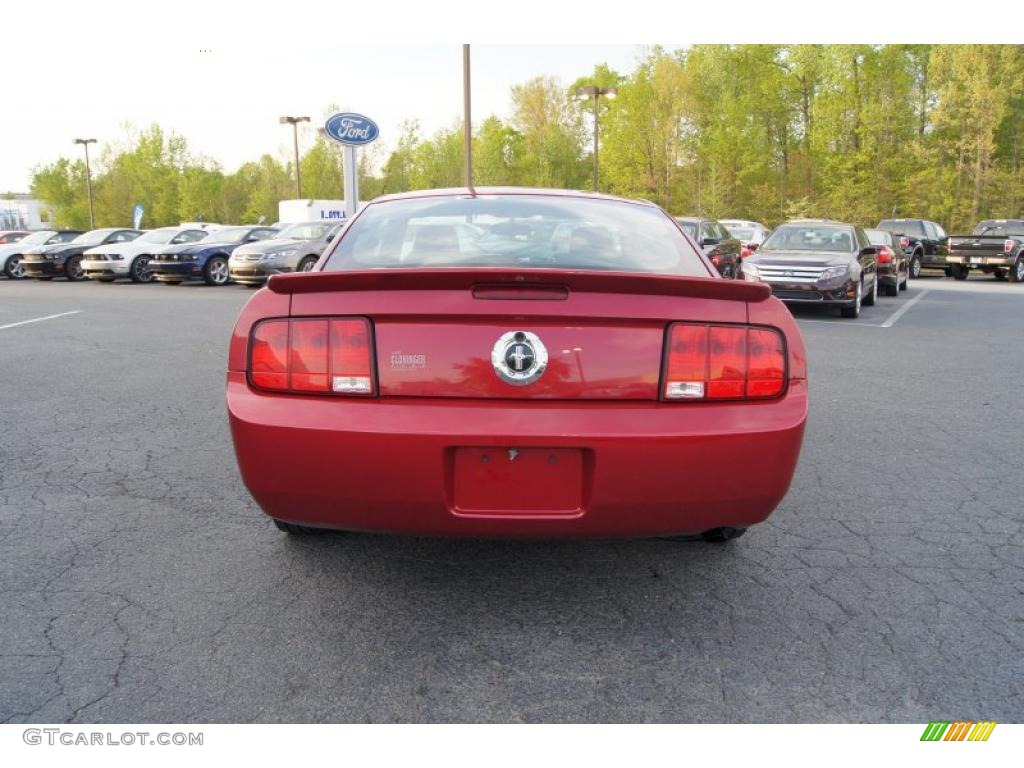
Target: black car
[
  {"x": 47, "y": 261},
  {"x": 818, "y": 262},
  {"x": 207, "y": 259},
  {"x": 12, "y": 253},
  {"x": 893, "y": 262},
  {"x": 718, "y": 245},
  {"x": 922, "y": 240}
]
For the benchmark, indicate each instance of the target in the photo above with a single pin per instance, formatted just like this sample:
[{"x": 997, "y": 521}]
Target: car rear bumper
[
  {"x": 389, "y": 464},
  {"x": 1002, "y": 260}
]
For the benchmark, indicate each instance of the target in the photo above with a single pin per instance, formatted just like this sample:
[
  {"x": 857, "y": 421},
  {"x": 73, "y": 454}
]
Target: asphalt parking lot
[{"x": 139, "y": 582}]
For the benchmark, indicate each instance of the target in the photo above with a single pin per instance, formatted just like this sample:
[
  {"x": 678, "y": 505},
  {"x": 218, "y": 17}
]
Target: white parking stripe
[
  {"x": 902, "y": 310},
  {"x": 39, "y": 319}
]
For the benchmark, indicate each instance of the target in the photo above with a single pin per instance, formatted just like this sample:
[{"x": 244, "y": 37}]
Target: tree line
[{"x": 767, "y": 132}]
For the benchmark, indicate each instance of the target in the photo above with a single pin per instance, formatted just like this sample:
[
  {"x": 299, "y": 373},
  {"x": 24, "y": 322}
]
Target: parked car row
[{"x": 212, "y": 253}]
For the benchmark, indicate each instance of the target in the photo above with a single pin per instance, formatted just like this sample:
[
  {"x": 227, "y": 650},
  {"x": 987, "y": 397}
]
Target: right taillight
[
  {"x": 884, "y": 255},
  {"x": 317, "y": 355},
  {"x": 724, "y": 362},
  {"x": 1008, "y": 245},
  {"x": 904, "y": 241}
]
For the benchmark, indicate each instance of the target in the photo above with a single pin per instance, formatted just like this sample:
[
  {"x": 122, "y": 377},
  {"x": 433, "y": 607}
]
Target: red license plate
[{"x": 518, "y": 481}]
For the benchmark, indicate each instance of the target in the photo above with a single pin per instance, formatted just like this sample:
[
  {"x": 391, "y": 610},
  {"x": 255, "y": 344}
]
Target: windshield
[
  {"x": 743, "y": 233},
  {"x": 304, "y": 230},
  {"x": 228, "y": 235},
  {"x": 1000, "y": 228},
  {"x": 162, "y": 235},
  {"x": 689, "y": 226},
  {"x": 95, "y": 237},
  {"x": 520, "y": 231},
  {"x": 803, "y": 237},
  {"x": 37, "y": 238},
  {"x": 877, "y": 236}
]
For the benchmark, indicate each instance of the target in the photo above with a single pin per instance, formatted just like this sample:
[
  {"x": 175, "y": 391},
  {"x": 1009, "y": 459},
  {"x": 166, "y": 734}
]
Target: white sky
[{"x": 88, "y": 69}]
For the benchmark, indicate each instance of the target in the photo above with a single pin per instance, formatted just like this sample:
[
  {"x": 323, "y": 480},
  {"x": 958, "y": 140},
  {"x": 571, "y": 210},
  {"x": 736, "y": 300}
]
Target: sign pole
[{"x": 351, "y": 175}]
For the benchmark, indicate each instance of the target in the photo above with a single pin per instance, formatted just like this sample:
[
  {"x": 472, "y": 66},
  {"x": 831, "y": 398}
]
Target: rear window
[
  {"x": 743, "y": 233},
  {"x": 878, "y": 236},
  {"x": 521, "y": 231},
  {"x": 999, "y": 228},
  {"x": 902, "y": 227}
]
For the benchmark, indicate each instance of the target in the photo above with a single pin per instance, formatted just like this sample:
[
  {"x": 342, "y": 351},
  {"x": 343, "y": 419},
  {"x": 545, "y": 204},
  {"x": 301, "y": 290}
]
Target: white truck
[{"x": 106, "y": 263}]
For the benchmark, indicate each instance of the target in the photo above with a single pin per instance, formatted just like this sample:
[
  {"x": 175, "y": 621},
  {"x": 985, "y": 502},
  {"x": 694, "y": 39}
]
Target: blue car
[{"x": 207, "y": 259}]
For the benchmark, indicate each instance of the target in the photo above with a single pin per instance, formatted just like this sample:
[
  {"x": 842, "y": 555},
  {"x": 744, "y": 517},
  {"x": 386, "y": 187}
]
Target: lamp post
[
  {"x": 595, "y": 92},
  {"x": 88, "y": 178},
  {"x": 467, "y": 122},
  {"x": 294, "y": 121}
]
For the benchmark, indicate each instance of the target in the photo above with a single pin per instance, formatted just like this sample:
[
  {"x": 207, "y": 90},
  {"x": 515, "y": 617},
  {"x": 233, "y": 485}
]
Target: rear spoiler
[{"x": 532, "y": 283}]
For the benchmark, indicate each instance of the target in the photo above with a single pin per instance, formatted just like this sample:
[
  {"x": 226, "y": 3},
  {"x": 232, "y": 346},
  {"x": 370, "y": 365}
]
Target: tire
[
  {"x": 894, "y": 289},
  {"x": 307, "y": 264},
  {"x": 13, "y": 268},
  {"x": 139, "y": 270},
  {"x": 903, "y": 285},
  {"x": 853, "y": 312},
  {"x": 297, "y": 530},
  {"x": 1017, "y": 271},
  {"x": 73, "y": 269},
  {"x": 722, "y": 535},
  {"x": 915, "y": 266},
  {"x": 216, "y": 271},
  {"x": 871, "y": 298},
  {"x": 959, "y": 272}
]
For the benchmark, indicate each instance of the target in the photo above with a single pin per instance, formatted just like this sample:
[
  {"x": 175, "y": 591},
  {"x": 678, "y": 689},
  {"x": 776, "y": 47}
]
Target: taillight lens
[
  {"x": 1008, "y": 245},
  {"x": 745, "y": 251},
  {"x": 320, "y": 355},
  {"x": 724, "y": 362},
  {"x": 884, "y": 255},
  {"x": 904, "y": 241}
]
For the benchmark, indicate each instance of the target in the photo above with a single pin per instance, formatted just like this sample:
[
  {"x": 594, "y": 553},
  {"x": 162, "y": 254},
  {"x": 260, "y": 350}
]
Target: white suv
[{"x": 106, "y": 263}]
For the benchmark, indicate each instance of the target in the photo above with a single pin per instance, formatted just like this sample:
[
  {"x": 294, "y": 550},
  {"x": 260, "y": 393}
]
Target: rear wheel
[
  {"x": 893, "y": 289},
  {"x": 915, "y": 265},
  {"x": 216, "y": 271},
  {"x": 13, "y": 268},
  {"x": 1017, "y": 271},
  {"x": 853, "y": 311},
  {"x": 869, "y": 300},
  {"x": 307, "y": 264},
  {"x": 73, "y": 269},
  {"x": 959, "y": 272},
  {"x": 296, "y": 530},
  {"x": 140, "y": 271},
  {"x": 903, "y": 285}
]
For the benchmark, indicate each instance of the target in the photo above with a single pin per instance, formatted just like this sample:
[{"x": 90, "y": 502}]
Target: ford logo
[{"x": 351, "y": 128}]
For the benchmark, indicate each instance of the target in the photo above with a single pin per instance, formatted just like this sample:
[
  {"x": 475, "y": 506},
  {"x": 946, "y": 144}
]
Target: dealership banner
[{"x": 513, "y": 746}]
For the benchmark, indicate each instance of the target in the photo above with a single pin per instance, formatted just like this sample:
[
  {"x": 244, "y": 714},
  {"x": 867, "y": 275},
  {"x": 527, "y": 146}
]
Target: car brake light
[
  {"x": 1008, "y": 245},
  {"x": 745, "y": 251},
  {"x": 904, "y": 241},
  {"x": 724, "y": 362},
  {"x": 884, "y": 255},
  {"x": 312, "y": 355}
]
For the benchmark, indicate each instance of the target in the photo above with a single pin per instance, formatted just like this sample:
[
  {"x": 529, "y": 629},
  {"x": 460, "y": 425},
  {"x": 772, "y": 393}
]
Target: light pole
[
  {"x": 595, "y": 92},
  {"x": 294, "y": 121},
  {"x": 467, "y": 122},
  {"x": 88, "y": 178}
]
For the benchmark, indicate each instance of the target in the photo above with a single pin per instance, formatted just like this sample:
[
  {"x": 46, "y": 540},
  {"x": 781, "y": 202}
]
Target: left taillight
[
  {"x": 724, "y": 362},
  {"x": 313, "y": 355}
]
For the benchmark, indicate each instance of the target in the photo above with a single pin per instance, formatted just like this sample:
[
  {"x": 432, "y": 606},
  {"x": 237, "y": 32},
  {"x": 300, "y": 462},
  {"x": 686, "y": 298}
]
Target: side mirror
[
  {"x": 869, "y": 251},
  {"x": 705, "y": 242},
  {"x": 251, "y": 239}
]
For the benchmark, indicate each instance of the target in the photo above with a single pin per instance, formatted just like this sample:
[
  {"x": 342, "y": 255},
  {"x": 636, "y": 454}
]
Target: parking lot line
[
  {"x": 39, "y": 319},
  {"x": 902, "y": 310}
]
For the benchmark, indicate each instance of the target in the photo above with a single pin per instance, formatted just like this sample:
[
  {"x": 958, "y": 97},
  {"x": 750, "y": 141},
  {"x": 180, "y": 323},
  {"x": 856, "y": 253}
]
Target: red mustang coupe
[{"x": 515, "y": 362}]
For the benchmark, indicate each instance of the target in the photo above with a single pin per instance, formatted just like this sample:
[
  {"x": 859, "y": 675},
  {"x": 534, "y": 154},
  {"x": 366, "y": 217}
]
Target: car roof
[{"x": 508, "y": 191}]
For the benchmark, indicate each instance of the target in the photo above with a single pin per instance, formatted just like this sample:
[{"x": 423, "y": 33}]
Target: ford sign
[{"x": 352, "y": 129}]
